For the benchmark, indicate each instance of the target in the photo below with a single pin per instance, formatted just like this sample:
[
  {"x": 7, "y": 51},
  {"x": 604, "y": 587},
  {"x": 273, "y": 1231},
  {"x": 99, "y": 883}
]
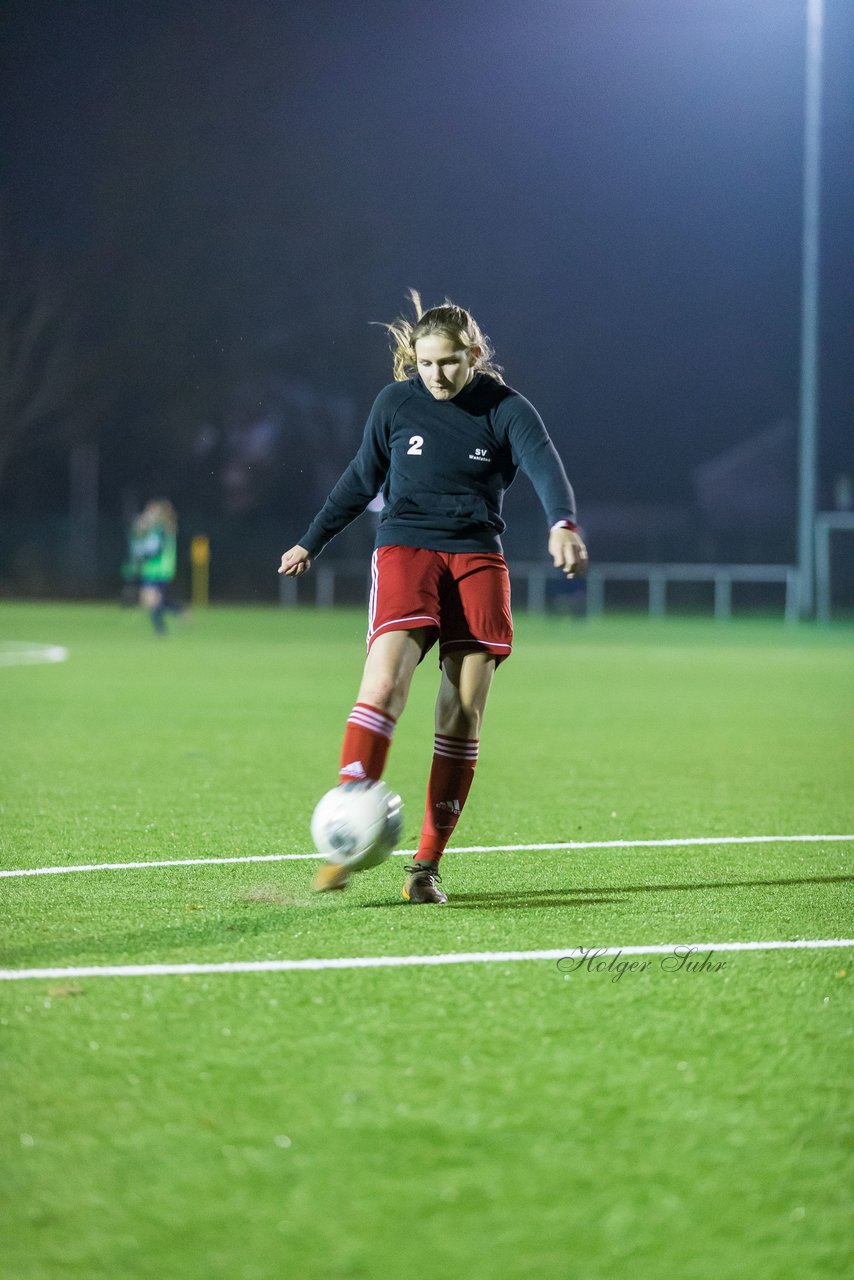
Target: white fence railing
[
  {"x": 347, "y": 581},
  {"x": 658, "y": 576},
  {"x": 825, "y": 524}
]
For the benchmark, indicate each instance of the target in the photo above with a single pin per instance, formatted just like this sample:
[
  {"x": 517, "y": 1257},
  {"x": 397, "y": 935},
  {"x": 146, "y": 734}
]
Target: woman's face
[{"x": 444, "y": 366}]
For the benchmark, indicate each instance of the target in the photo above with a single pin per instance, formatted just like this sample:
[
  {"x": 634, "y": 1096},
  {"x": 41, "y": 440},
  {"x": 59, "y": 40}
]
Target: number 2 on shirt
[{"x": 415, "y": 445}]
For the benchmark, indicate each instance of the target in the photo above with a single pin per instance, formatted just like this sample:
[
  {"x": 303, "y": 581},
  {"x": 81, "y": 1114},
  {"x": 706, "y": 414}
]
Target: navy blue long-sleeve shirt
[{"x": 443, "y": 468}]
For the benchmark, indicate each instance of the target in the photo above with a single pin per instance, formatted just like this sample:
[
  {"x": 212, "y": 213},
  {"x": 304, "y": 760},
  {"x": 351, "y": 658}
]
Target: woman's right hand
[{"x": 295, "y": 562}]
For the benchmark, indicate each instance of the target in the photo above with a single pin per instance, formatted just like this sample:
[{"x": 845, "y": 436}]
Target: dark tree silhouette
[{"x": 38, "y": 371}]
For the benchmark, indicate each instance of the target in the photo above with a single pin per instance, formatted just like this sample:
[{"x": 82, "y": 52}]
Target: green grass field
[{"x": 488, "y": 1120}]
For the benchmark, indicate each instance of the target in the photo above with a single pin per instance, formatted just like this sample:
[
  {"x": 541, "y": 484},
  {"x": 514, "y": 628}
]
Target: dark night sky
[{"x": 612, "y": 186}]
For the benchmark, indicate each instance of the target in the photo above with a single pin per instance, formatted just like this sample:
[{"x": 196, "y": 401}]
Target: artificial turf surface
[{"x": 492, "y": 1120}]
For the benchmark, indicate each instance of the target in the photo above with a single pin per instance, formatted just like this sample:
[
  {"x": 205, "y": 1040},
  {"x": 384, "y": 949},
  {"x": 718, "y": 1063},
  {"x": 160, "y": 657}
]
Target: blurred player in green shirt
[{"x": 153, "y": 560}]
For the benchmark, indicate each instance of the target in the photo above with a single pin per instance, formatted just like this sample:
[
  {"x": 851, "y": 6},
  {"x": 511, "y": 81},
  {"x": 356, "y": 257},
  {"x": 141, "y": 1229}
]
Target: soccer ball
[{"x": 357, "y": 824}]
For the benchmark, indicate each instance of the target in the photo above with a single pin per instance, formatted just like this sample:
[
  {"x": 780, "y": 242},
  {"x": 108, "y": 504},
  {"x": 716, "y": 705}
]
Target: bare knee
[
  {"x": 466, "y": 681},
  {"x": 384, "y": 690},
  {"x": 459, "y": 721},
  {"x": 457, "y": 717},
  {"x": 389, "y": 668}
]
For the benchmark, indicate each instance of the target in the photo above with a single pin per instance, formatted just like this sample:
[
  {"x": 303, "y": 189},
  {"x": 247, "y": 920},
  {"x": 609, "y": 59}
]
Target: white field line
[
  {"x": 577, "y": 955},
  {"x": 20, "y": 653},
  {"x": 686, "y": 842}
]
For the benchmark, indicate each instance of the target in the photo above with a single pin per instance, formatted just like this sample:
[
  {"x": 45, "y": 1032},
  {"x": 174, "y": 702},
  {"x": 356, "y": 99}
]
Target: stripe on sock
[
  {"x": 370, "y": 718},
  {"x": 456, "y": 748}
]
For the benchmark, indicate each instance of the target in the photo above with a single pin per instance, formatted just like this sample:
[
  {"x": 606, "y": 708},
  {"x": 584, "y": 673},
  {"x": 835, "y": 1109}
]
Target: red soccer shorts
[{"x": 461, "y": 597}]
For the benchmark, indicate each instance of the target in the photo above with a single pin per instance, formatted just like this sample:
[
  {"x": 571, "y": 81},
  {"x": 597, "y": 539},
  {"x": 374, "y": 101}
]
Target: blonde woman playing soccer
[{"x": 443, "y": 442}]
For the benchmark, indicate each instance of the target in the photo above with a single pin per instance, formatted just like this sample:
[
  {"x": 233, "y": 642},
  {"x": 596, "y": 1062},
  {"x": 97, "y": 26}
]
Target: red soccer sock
[
  {"x": 367, "y": 738},
  {"x": 451, "y": 776}
]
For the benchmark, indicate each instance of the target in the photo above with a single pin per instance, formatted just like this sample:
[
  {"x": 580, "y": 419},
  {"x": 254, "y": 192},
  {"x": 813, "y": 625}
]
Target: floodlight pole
[{"x": 808, "y": 430}]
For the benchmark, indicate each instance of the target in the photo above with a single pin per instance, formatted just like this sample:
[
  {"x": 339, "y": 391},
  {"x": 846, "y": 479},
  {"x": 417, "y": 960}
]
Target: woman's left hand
[{"x": 568, "y": 552}]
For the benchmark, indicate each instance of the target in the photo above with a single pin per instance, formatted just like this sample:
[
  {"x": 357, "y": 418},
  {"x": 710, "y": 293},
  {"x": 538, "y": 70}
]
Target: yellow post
[{"x": 200, "y": 558}]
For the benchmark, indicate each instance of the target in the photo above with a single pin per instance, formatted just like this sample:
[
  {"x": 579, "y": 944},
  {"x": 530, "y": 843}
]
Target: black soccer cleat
[{"x": 421, "y": 883}]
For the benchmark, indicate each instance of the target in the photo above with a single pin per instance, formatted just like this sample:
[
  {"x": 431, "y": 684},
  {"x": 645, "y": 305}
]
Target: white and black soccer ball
[{"x": 357, "y": 824}]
